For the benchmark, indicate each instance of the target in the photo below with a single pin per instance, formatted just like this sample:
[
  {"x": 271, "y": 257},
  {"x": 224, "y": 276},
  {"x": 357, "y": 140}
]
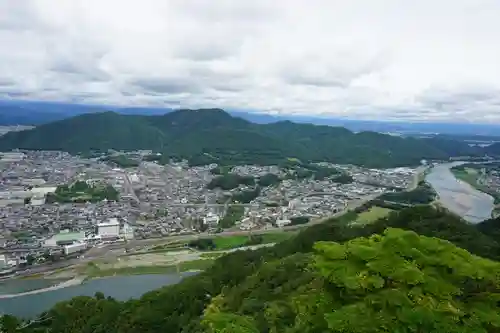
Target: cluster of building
[
  {"x": 157, "y": 200},
  {"x": 490, "y": 177}
]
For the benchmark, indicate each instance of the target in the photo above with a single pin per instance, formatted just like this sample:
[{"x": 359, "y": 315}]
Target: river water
[
  {"x": 118, "y": 287},
  {"x": 458, "y": 196}
]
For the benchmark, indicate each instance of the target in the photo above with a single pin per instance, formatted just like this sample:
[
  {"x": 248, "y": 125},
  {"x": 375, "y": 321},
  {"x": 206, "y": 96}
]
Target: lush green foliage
[
  {"x": 80, "y": 191},
  {"x": 343, "y": 179},
  {"x": 229, "y": 181},
  {"x": 233, "y": 215},
  {"x": 268, "y": 179},
  {"x": 472, "y": 174},
  {"x": 246, "y": 196},
  {"x": 122, "y": 161},
  {"x": 213, "y": 136},
  {"x": 291, "y": 286},
  {"x": 299, "y": 220},
  {"x": 395, "y": 282},
  {"x": 423, "y": 194}
]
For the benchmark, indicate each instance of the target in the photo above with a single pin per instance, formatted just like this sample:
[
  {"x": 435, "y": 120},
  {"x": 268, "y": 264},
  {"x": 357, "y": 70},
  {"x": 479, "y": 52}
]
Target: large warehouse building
[
  {"x": 65, "y": 237},
  {"x": 109, "y": 229},
  {"x": 74, "y": 248}
]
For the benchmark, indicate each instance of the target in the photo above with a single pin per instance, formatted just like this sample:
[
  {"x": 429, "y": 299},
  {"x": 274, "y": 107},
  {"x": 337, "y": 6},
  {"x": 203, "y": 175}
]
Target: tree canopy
[
  {"x": 214, "y": 136},
  {"x": 394, "y": 282},
  {"x": 418, "y": 270}
]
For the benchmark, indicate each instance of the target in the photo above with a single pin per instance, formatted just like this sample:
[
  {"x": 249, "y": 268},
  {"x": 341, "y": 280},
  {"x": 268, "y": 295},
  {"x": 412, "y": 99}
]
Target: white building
[
  {"x": 44, "y": 190},
  {"x": 110, "y": 228},
  {"x": 3, "y": 261},
  {"x": 282, "y": 223},
  {"x": 73, "y": 248},
  {"x": 211, "y": 219},
  {"x": 127, "y": 231}
]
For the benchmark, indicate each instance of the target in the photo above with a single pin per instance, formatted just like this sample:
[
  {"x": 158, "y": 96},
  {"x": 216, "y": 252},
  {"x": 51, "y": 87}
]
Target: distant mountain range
[
  {"x": 15, "y": 112},
  {"x": 213, "y": 135}
]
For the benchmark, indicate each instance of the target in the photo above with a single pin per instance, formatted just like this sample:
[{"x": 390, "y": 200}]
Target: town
[{"x": 55, "y": 205}]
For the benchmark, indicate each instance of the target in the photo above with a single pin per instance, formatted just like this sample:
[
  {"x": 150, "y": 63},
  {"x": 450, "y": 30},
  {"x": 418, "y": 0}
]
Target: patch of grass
[
  {"x": 211, "y": 255},
  {"x": 277, "y": 237},
  {"x": 471, "y": 177},
  {"x": 200, "y": 264},
  {"x": 32, "y": 276},
  {"x": 466, "y": 176},
  {"x": 157, "y": 250},
  {"x": 226, "y": 243},
  {"x": 371, "y": 215}
]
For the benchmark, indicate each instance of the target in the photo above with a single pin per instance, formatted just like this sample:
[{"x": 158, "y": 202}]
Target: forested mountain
[
  {"x": 418, "y": 270},
  {"x": 212, "y": 135},
  {"x": 493, "y": 149}
]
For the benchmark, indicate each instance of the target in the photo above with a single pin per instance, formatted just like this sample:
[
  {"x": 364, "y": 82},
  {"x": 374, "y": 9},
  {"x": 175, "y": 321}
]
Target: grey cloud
[
  {"x": 165, "y": 85},
  {"x": 4, "y": 82},
  {"x": 255, "y": 10},
  {"x": 86, "y": 65},
  {"x": 295, "y": 78},
  {"x": 67, "y": 67},
  {"x": 319, "y": 72},
  {"x": 297, "y": 57},
  {"x": 224, "y": 81},
  {"x": 470, "y": 102},
  {"x": 17, "y": 15},
  {"x": 227, "y": 87},
  {"x": 15, "y": 94},
  {"x": 205, "y": 51}
]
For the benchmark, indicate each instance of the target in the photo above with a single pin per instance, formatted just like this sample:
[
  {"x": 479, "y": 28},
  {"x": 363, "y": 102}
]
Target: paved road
[{"x": 129, "y": 188}]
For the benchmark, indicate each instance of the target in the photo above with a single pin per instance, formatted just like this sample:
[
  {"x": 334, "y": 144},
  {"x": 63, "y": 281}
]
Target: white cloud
[{"x": 374, "y": 59}]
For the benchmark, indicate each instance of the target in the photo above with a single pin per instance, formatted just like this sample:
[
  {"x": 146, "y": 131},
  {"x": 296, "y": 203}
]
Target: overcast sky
[{"x": 378, "y": 59}]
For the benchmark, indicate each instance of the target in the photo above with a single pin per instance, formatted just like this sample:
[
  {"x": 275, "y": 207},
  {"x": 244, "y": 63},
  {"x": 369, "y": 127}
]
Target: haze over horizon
[{"x": 392, "y": 60}]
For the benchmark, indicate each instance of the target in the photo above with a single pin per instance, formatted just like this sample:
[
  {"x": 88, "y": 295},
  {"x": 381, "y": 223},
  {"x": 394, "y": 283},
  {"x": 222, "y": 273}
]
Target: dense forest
[
  {"x": 418, "y": 270},
  {"x": 421, "y": 195},
  {"x": 214, "y": 136}
]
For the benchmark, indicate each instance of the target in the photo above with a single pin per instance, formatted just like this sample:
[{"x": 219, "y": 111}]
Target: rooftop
[{"x": 110, "y": 223}]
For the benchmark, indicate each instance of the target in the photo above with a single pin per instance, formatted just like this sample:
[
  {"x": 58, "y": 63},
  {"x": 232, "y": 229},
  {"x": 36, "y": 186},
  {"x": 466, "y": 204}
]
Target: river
[
  {"x": 458, "y": 196},
  {"x": 118, "y": 287}
]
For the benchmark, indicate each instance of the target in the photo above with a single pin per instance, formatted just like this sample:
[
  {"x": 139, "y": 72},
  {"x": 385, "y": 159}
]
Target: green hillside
[
  {"x": 212, "y": 135},
  {"x": 417, "y": 270}
]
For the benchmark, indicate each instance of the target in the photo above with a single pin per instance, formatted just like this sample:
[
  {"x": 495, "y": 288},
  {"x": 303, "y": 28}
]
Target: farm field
[{"x": 371, "y": 215}]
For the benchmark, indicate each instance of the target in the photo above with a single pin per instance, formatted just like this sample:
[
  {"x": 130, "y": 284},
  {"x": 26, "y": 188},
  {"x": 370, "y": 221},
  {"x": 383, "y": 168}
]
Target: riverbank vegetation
[
  {"x": 121, "y": 161},
  {"x": 474, "y": 176},
  {"x": 415, "y": 270},
  {"x": 93, "y": 271},
  {"x": 423, "y": 194},
  {"x": 371, "y": 215},
  {"x": 232, "y": 242}
]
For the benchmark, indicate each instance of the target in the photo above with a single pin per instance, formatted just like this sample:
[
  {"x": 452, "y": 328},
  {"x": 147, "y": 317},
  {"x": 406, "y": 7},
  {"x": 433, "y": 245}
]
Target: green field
[
  {"x": 231, "y": 242},
  {"x": 468, "y": 175},
  {"x": 371, "y": 215},
  {"x": 226, "y": 243},
  {"x": 277, "y": 237},
  {"x": 93, "y": 271},
  {"x": 212, "y": 255}
]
